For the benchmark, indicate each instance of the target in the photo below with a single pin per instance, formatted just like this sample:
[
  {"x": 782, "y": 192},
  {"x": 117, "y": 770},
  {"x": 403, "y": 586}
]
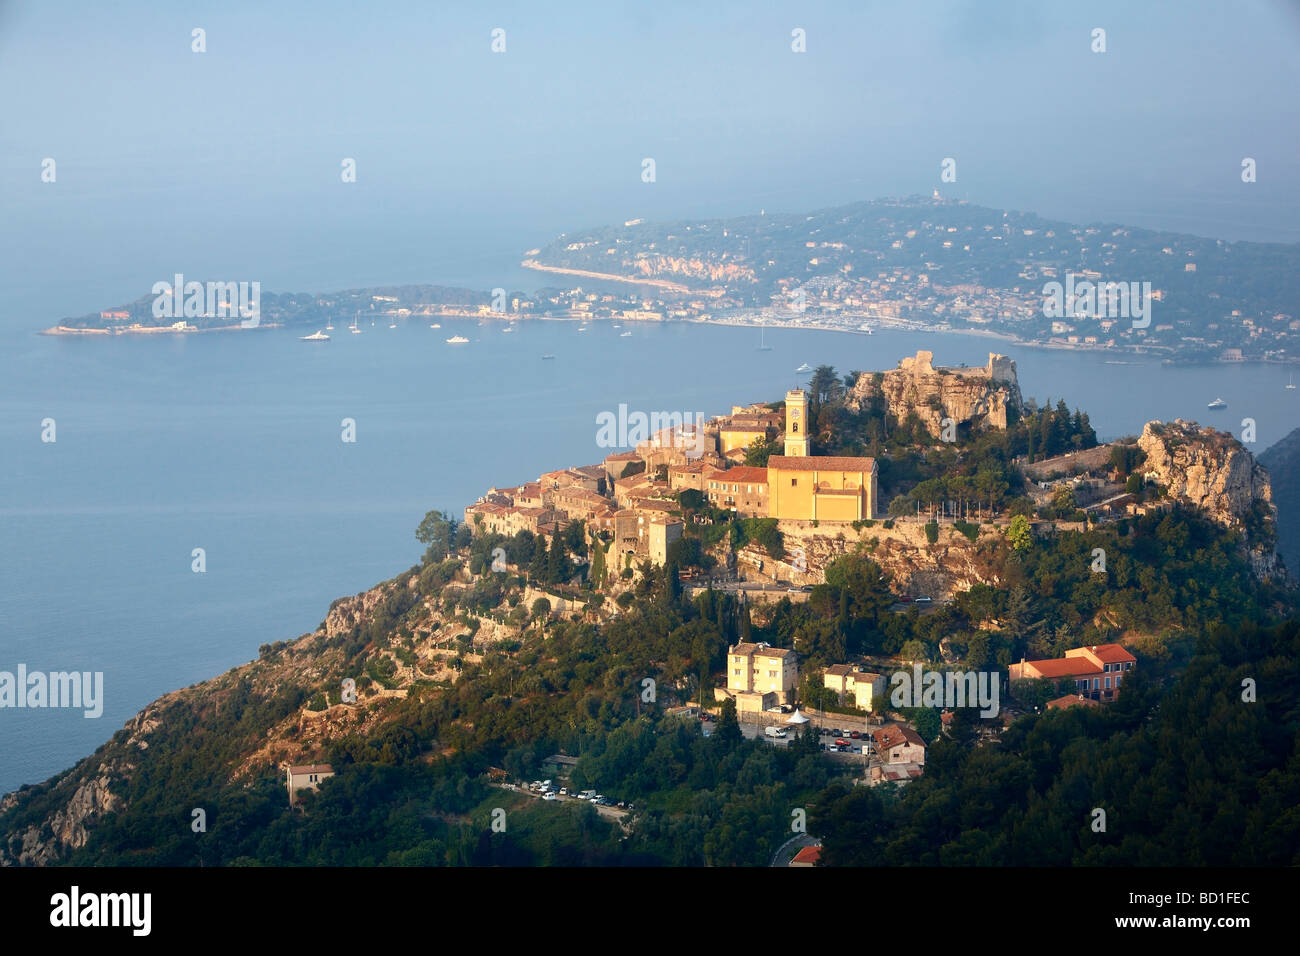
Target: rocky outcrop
[
  {"x": 1214, "y": 473},
  {"x": 982, "y": 397},
  {"x": 1207, "y": 468}
]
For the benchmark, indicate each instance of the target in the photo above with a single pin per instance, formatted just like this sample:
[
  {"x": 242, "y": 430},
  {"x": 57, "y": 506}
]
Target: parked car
[
  {"x": 564, "y": 791},
  {"x": 856, "y": 734},
  {"x": 549, "y": 796},
  {"x": 841, "y": 742},
  {"x": 924, "y": 600}
]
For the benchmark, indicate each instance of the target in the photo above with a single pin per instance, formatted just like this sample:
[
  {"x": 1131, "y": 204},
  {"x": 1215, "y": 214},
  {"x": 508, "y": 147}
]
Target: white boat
[
  {"x": 353, "y": 328},
  {"x": 315, "y": 337},
  {"x": 805, "y": 367},
  {"x": 547, "y": 357},
  {"x": 508, "y": 328},
  {"x": 1217, "y": 403},
  {"x": 392, "y": 325},
  {"x": 864, "y": 328},
  {"x": 435, "y": 325},
  {"x": 762, "y": 342},
  {"x": 457, "y": 340},
  {"x": 1290, "y": 385},
  {"x": 625, "y": 335},
  {"x": 330, "y": 327},
  {"x": 582, "y": 329}
]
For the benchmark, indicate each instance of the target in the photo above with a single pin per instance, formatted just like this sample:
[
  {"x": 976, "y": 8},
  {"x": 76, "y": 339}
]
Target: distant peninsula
[{"x": 924, "y": 264}]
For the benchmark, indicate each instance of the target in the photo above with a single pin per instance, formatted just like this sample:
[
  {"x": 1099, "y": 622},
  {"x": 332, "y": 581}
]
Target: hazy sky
[{"x": 226, "y": 164}]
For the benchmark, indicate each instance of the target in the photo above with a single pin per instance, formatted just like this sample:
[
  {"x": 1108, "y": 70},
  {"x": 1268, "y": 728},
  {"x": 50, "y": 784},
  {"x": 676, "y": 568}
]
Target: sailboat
[
  {"x": 762, "y": 342},
  {"x": 330, "y": 325},
  {"x": 355, "y": 330},
  {"x": 1290, "y": 385}
]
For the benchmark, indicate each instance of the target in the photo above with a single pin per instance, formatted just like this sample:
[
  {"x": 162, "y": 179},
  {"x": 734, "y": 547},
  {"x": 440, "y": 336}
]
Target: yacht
[
  {"x": 435, "y": 325},
  {"x": 547, "y": 357},
  {"x": 1217, "y": 403},
  {"x": 1290, "y": 385},
  {"x": 805, "y": 367},
  {"x": 315, "y": 337},
  {"x": 508, "y": 328},
  {"x": 762, "y": 342},
  {"x": 457, "y": 340},
  {"x": 625, "y": 335}
]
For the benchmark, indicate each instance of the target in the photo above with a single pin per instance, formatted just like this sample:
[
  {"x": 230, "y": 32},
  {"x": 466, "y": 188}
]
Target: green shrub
[{"x": 932, "y": 531}]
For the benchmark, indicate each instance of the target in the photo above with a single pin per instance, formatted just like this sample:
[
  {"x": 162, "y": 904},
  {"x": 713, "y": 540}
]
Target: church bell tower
[{"x": 796, "y": 424}]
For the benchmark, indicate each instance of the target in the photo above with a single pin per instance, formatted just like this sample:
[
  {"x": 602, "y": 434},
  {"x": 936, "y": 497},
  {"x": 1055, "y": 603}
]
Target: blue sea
[{"x": 231, "y": 442}]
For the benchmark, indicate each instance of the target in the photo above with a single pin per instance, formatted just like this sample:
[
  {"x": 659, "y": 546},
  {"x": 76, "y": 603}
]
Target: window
[
  {"x": 1096, "y": 682},
  {"x": 771, "y": 673},
  {"x": 1108, "y": 683},
  {"x": 793, "y": 482}
]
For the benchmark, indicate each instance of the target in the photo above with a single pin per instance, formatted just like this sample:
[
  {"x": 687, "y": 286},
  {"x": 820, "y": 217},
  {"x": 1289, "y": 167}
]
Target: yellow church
[{"x": 801, "y": 487}]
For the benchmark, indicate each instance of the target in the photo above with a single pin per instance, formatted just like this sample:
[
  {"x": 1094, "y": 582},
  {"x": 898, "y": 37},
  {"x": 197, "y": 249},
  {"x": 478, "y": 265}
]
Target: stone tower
[{"x": 796, "y": 424}]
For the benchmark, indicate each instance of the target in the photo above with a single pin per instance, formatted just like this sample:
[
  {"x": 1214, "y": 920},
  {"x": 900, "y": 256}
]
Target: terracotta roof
[
  {"x": 828, "y": 463},
  {"x": 745, "y": 427},
  {"x": 839, "y": 670},
  {"x": 1064, "y": 667},
  {"x": 894, "y": 735},
  {"x": 1071, "y": 700},
  {"x": 311, "y": 768},
  {"x": 622, "y": 456},
  {"x": 1106, "y": 653},
  {"x": 743, "y": 476},
  {"x": 809, "y": 855},
  {"x": 745, "y": 649}
]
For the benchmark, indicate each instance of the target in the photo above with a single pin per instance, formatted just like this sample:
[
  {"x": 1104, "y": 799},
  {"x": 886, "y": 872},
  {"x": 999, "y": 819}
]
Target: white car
[{"x": 549, "y": 796}]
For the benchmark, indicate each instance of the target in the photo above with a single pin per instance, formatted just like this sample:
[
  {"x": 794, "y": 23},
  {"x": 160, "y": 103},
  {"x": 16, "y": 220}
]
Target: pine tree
[
  {"x": 555, "y": 561},
  {"x": 537, "y": 568}
]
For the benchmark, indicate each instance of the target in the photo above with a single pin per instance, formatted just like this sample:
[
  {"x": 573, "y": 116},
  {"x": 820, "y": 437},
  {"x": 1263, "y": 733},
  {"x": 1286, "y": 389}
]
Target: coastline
[{"x": 609, "y": 277}]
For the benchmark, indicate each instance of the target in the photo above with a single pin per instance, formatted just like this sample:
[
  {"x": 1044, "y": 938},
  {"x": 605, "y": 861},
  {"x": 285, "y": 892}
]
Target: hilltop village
[
  {"x": 879, "y": 580},
  {"x": 639, "y": 509}
]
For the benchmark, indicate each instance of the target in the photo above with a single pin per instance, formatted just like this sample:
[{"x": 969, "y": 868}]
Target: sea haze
[{"x": 231, "y": 442}]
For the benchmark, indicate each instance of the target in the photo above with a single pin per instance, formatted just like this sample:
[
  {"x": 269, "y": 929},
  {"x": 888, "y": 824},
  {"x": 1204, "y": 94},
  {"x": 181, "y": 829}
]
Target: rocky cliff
[
  {"x": 1214, "y": 473},
  {"x": 982, "y": 397}
]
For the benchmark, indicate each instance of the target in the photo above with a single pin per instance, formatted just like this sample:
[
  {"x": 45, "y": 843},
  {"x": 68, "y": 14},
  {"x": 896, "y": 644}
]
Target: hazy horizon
[{"x": 227, "y": 163}]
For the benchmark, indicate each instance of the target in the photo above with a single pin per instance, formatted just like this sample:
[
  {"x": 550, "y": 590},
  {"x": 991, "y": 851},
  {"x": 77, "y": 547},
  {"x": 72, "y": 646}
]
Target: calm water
[{"x": 231, "y": 443}]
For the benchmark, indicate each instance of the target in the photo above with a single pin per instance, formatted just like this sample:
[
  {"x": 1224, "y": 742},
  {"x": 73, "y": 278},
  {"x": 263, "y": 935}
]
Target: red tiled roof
[
  {"x": 1064, "y": 667},
  {"x": 828, "y": 463},
  {"x": 809, "y": 855},
  {"x": 743, "y": 476},
  {"x": 1111, "y": 653}
]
